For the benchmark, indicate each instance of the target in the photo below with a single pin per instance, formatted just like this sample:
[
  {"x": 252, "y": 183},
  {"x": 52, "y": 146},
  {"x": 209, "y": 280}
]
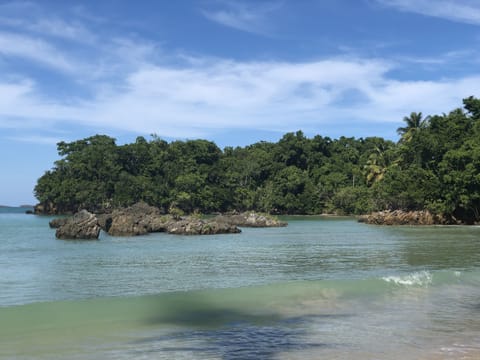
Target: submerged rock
[
  {"x": 251, "y": 219},
  {"x": 83, "y": 225},
  {"x": 400, "y": 217}
]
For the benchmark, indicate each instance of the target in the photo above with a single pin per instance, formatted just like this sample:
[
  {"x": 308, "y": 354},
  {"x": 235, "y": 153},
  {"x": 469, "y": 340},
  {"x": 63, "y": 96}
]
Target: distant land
[{"x": 20, "y": 206}]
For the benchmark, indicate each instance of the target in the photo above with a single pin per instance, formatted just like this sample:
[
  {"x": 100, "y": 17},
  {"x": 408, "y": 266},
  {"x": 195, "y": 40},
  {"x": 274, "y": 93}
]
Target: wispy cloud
[
  {"x": 30, "y": 17},
  {"x": 34, "y": 49},
  {"x": 53, "y": 27},
  {"x": 451, "y": 60},
  {"x": 126, "y": 84},
  {"x": 243, "y": 16},
  {"x": 61, "y": 29},
  {"x": 220, "y": 94},
  {"x": 226, "y": 94},
  {"x": 467, "y": 11},
  {"x": 35, "y": 139}
]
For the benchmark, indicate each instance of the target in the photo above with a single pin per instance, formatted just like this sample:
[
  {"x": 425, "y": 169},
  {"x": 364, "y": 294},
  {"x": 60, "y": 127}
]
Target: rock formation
[
  {"x": 57, "y": 222},
  {"x": 191, "y": 226},
  {"x": 141, "y": 219},
  {"x": 46, "y": 208},
  {"x": 82, "y": 225},
  {"x": 400, "y": 217},
  {"x": 138, "y": 219}
]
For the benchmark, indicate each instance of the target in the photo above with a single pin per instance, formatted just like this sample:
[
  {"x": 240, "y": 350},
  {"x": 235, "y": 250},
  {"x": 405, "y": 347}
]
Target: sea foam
[{"x": 421, "y": 278}]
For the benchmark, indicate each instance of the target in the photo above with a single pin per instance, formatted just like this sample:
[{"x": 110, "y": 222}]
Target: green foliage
[
  {"x": 437, "y": 165},
  {"x": 352, "y": 200},
  {"x": 176, "y": 212},
  {"x": 434, "y": 165},
  {"x": 472, "y": 105},
  {"x": 460, "y": 172}
]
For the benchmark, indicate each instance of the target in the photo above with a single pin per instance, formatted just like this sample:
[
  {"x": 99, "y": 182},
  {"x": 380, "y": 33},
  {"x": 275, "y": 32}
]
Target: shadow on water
[
  {"x": 237, "y": 341},
  {"x": 206, "y": 311},
  {"x": 235, "y": 330}
]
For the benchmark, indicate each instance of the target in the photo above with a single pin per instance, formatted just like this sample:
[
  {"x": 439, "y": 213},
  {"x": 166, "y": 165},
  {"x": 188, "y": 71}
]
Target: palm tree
[
  {"x": 376, "y": 165},
  {"x": 414, "y": 123}
]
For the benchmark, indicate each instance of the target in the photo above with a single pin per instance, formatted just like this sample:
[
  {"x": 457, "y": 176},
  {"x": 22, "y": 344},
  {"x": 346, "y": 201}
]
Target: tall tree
[{"x": 414, "y": 123}]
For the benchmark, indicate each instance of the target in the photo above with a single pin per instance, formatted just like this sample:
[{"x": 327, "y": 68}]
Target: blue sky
[{"x": 235, "y": 72}]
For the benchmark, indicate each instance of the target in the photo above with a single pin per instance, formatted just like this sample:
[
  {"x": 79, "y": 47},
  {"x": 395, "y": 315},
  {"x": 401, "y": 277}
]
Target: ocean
[{"x": 321, "y": 288}]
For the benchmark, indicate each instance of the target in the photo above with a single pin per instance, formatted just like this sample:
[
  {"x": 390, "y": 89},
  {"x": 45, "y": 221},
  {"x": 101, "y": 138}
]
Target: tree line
[{"x": 434, "y": 165}]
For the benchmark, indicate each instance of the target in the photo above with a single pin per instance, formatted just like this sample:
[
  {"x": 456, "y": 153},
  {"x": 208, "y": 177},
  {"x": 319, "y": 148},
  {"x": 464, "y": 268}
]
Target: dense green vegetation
[{"x": 435, "y": 165}]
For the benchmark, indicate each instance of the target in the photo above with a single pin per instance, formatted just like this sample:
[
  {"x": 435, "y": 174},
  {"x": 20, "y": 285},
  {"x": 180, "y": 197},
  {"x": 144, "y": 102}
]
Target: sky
[{"x": 234, "y": 72}]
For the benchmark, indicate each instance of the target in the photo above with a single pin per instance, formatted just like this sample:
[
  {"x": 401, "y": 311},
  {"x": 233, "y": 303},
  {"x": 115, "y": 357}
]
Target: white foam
[{"x": 421, "y": 278}]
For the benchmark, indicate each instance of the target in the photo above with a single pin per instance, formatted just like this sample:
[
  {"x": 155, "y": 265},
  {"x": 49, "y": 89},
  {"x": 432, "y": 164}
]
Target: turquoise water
[{"x": 319, "y": 288}]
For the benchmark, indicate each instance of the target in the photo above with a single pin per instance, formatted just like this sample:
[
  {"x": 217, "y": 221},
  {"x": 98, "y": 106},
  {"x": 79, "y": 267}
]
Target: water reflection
[{"x": 440, "y": 247}]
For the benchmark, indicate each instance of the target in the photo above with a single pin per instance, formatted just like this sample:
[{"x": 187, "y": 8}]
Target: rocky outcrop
[
  {"x": 46, "y": 208},
  {"x": 400, "y": 217},
  {"x": 138, "y": 219},
  {"x": 57, "y": 222},
  {"x": 250, "y": 219},
  {"x": 83, "y": 225},
  {"x": 104, "y": 221},
  {"x": 141, "y": 219},
  {"x": 192, "y": 226}
]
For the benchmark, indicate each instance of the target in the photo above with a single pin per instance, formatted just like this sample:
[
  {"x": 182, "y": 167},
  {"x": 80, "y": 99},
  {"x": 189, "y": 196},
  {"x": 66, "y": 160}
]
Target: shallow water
[{"x": 319, "y": 288}]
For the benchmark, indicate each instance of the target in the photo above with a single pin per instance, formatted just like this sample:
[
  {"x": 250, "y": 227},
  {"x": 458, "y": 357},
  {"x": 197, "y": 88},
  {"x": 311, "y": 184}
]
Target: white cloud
[
  {"x": 126, "y": 85},
  {"x": 9, "y": 92},
  {"x": 240, "y": 16},
  {"x": 398, "y": 98},
  {"x": 467, "y": 11},
  {"x": 198, "y": 100},
  {"x": 228, "y": 94},
  {"x": 27, "y": 16},
  {"x": 61, "y": 29},
  {"x": 34, "y": 49},
  {"x": 53, "y": 27}
]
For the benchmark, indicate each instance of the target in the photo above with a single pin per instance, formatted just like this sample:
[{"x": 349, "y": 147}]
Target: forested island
[{"x": 434, "y": 166}]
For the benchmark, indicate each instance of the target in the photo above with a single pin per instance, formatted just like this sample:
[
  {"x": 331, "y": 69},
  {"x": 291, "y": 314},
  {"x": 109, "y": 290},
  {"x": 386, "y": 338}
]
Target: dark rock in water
[
  {"x": 251, "y": 219},
  {"x": 56, "y": 223},
  {"x": 83, "y": 225},
  {"x": 29, "y": 212},
  {"x": 400, "y": 217},
  {"x": 138, "y": 219}
]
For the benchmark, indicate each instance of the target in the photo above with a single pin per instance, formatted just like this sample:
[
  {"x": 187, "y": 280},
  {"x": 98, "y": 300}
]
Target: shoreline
[{"x": 385, "y": 217}]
